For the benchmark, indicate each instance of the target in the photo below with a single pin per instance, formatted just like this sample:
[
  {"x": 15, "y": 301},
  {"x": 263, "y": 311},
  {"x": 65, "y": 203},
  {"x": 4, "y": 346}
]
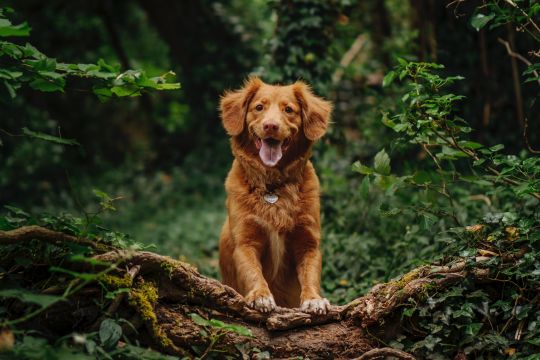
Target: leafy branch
[
  {"x": 428, "y": 120},
  {"x": 25, "y": 65}
]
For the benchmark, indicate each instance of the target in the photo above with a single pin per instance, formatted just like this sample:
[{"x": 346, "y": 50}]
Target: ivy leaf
[
  {"x": 109, "y": 333},
  {"x": 428, "y": 220},
  {"x": 50, "y": 138},
  {"x": 382, "y": 163},
  {"x": 473, "y": 328},
  {"x": 478, "y": 21},
  {"x": 217, "y": 324}
]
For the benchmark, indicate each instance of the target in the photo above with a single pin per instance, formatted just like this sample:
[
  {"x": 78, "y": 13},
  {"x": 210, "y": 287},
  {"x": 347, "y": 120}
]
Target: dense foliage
[{"x": 432, "y": 156}]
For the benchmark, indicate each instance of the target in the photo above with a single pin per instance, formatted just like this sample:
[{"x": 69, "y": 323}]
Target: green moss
[
  {"x": 143, "y": 299},
  {"x": 408, "y": 277},
  {"x": 114, "y": 282},
  {"x": 168, "y": 266}
]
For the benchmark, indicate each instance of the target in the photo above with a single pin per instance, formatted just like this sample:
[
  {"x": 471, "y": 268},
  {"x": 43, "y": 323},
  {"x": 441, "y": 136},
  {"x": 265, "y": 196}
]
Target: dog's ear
[
  {"x": 234, "y": 106},
  {"x": 315, "y": 111}
]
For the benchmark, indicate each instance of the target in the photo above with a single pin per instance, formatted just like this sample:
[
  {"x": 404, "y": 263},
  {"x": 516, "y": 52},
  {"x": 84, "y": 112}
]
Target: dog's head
[{"x": 272, "y": 119}]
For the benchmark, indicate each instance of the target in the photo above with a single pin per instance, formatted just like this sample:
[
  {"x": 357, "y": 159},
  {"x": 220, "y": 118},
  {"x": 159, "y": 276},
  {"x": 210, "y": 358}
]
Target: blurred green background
[{"x": 165, "y": 155}]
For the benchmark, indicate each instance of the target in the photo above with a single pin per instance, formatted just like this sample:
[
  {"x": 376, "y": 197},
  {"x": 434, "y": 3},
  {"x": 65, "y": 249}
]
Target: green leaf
[
  {"x": 238, "y": 329},
  {"x": 102, "y": 195},
  {"x": 496, "y": 148},
  {"x": 103, "y": 93},
  {"x": 199, "y": 320},
  {"x": 30, "y": 297},
  {"x": 9, "y": 74},
  {"x": 10, "y": 89},
  {"x": 168, "y": 86},
  {"x": 473, "y": 329},
  {"x": 8, "y": 29},
  {"x": 389, "y": 78},
  {"x": 428, "y": 220},
  {"x": 109, "y": 333},
  {"x": 50, "y": 138},
  {"x": 364, "y": 187},
  {"x": 17, "y": 211},
  {"x": 48, "y": 85},
  {"x": 401, "y": 127},
  {"x": 362, "y": 169},
  {"x": 387, "y": 121},
  {"x": 478, "y": 21},
  {"x": 218, "y": 324},
  {"x": 126, "y": 90},
  {"x": 381, "y": 163},
  {"x": 408, "y": 312},
  {"x": 535, "y": 342},
  {"x": 470, "y": 144},
  {"x": 478, "y": 162},
  {"x": 523, "y": 311}
]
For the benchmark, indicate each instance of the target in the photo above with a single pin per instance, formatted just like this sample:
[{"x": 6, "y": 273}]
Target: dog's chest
[{"x": 279, "y": 208}]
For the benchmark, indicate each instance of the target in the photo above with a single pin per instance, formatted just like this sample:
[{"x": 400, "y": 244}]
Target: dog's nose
[{"x": 270, "y": 126}]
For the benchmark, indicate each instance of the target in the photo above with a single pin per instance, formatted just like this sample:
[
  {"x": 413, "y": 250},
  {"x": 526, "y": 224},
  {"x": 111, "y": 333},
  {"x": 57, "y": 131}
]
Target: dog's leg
[
  {"x": 226, "y": 249},
  {"x": 247, "y": 259},
  {"x": 308, "y": 266}
]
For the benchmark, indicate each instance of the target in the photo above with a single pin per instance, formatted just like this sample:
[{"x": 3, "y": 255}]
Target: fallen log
[{"x": 181, "y": 312}]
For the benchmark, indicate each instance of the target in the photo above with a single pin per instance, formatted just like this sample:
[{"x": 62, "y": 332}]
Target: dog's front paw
[
  {"x": 261, "y": 301},
  {"x": 316, "y": 306}
]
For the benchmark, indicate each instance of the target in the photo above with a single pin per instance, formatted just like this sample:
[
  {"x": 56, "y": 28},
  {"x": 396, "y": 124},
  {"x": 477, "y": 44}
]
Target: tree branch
[{"x": 27, "y": 233}]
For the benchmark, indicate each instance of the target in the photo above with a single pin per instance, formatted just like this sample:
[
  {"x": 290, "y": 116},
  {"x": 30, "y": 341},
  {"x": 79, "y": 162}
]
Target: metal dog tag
[{"x": 270, "y": 198}]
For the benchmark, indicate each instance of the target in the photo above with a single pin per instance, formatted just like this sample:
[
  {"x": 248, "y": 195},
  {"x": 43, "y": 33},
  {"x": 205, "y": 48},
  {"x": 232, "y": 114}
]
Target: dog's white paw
[
  {"x": 316, "y": 306},
  {"x": 263, "y": 304}
]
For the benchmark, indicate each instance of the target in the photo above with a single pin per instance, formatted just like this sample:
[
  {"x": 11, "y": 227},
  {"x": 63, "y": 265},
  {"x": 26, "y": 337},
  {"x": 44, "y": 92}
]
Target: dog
[{"x": 269, "y": 244}]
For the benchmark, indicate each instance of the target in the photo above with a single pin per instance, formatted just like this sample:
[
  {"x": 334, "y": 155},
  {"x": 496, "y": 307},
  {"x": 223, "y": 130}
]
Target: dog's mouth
[{"x": 271, "y": 150}]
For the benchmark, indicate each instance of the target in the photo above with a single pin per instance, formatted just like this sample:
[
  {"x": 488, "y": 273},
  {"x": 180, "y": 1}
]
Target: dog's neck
[{"x": 258, "y": 176}]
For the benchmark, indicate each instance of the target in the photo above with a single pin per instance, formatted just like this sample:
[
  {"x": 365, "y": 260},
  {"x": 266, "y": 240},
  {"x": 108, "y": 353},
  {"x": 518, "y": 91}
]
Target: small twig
[
  {"x": 349, "y": 56},
  {"x": 10, "y": 134},
  {"x": 383, "y": 353},
  {"x": 530, "y": 20},
  {"x": 518, "y": 56},
  {"x": 519, "y": 330}
]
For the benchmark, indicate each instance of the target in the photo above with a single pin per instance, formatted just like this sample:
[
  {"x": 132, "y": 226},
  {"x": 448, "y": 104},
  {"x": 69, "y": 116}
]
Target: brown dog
[{"x": 269, "y": 247}]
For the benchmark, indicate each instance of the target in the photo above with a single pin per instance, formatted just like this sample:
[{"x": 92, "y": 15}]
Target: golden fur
[{"x": 270, "y": 252}]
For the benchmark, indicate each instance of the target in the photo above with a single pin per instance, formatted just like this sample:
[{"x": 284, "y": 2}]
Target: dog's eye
[
  {"x": 289, "y": 110},
  {"x": 259, "y": 107}
]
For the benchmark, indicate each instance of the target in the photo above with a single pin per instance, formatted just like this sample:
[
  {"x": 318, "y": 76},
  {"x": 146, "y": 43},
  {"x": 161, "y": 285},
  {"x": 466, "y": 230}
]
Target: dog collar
[{"x": 270, "y": 198}]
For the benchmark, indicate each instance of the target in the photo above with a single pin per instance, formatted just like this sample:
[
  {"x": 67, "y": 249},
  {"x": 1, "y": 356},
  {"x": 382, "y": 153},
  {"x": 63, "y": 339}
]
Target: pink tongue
[{"x": 270, "y": 153}]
